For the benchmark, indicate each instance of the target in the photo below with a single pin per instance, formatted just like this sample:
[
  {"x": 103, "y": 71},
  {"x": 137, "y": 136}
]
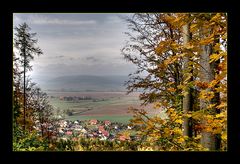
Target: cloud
[
  {"x": 16, "y": 20},
  {"x": 78, "y": 44},
  {"x": 92, "y": 59},
  {"x": 41, "y": 20},
  {"x": 60, "y": 56}
]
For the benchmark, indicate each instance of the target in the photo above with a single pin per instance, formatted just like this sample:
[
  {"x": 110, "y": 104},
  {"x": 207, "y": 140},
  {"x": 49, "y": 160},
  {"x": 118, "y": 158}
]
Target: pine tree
[{"x": 25, "y": 43}]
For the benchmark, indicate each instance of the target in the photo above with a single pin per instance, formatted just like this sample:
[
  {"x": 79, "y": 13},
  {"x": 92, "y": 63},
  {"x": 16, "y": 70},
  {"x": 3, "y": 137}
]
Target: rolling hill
[{"x": 86, "y": 83}]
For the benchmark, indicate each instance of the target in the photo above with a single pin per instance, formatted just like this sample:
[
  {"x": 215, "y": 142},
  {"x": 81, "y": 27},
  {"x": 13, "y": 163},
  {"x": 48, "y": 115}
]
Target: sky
[{"x": 77, "y": 44}]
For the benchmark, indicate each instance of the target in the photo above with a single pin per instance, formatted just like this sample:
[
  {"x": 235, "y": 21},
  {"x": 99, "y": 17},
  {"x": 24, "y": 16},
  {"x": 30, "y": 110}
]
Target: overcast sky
[{"x": 77, "y": 44}]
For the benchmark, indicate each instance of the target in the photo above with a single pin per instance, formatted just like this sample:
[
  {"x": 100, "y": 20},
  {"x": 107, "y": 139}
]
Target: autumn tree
[
  {"x": 151, "y": 47},
  {"x": 183, "y": 57},
  {"x": 43, "y": 113},
  {"x": 212, "y": 28},
  {"x": 25, "y": 43}
]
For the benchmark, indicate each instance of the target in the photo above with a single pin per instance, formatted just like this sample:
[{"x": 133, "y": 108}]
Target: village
[{"x": 102, "y": 130}]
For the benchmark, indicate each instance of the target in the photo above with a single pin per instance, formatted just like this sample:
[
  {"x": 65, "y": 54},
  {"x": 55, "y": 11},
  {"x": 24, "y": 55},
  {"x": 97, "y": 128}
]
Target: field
[{"x": 113, "y": 106}]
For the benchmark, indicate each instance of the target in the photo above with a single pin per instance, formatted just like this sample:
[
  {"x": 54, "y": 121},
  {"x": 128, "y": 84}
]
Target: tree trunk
[
  {"x": 187, "y": 100},
  {"x": 208, "y": 140},
  {"x": 24, "y": 92},
  {"x": 216, "y": 99}
]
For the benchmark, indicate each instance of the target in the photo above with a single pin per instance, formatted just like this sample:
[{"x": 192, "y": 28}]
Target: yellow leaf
[
  {"x": 213, "y": 83},
  {"x": 171, "y": 89},
  {"x": 220, "y": 115},
  {"x": 177, "y": 130},
  {"x": 218, "y": 130},
  {"x": 217, "y": 47},
  {"x": 222, "y": 105},
  {"x": 187, "y": 76},
  {"x": 166, "y": 131},
  {"x": 224, "y": 136},
  {"x": 209, "y": 117},
  {"x": 189, "y": 46},
  {"x": 185, "y": 138},
  {"x": 179, "y": 121},
  {"x": 180, "y": 140},
  {"x": 198, "y": 137},
  {"x": 188, "y": 115},
  {"x": 216, "y": 17},
  {"x": 215, "y": 57},
  {"x": 207, "y": 40},
  {"x": 170, "y": 60},
  {"x": 207, "y": 95},
  {"x": 193, "y": 26},
  {"x": 211, "y": 106},
  {"x": 224, "y": 36}
]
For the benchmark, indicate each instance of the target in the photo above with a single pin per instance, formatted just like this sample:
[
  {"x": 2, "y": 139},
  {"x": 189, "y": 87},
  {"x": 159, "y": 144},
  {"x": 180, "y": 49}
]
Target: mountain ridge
[{"x": 87, "y": 83}]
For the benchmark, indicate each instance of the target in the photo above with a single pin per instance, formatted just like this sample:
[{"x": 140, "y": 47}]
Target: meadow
[{"x": 113, "y": 106}]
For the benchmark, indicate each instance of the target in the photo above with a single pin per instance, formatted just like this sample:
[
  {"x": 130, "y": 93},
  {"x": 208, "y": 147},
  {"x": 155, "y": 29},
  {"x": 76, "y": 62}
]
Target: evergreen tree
[{"x": 25, "y": 43}]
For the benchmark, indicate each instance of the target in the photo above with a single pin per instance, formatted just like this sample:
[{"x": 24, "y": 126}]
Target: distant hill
[{"x": 86, "y": 83}]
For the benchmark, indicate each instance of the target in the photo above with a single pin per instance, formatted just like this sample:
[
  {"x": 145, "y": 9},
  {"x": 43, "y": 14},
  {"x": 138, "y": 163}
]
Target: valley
[{"x": 113, "y": 106}]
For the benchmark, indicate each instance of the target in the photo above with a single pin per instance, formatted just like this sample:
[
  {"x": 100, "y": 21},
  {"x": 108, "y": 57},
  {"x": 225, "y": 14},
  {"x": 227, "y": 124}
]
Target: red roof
[
  {"x": 93, "y": 122},
  {"x": 107, "y": 122},
  {"x": 101, "y": 128},
  {"x": 105, "y": 133}
]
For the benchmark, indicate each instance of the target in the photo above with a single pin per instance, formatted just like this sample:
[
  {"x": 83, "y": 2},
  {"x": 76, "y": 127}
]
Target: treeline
[
  {"x": 75, "y": 98},
  {"x": 184, "y": 58}
]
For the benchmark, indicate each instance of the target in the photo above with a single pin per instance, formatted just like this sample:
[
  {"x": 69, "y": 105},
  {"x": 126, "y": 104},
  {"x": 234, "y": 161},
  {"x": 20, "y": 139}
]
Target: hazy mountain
[{"x": 86, "y": 83}]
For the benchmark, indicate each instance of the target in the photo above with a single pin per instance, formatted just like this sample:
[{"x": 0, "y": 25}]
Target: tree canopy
[{"x": 181, "y": 54}]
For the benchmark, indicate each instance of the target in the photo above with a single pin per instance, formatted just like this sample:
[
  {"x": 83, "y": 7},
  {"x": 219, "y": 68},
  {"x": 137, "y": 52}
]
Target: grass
[{"x": 83, "y": 104}]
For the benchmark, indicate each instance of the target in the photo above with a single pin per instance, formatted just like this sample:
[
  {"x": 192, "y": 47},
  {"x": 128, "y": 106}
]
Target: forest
[{"x": 181, "y": 61}]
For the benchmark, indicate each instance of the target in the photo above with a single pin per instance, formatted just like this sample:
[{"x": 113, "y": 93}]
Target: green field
[
  {"x": 111, "y": 106},
  {"x": 105, "y": 106},
  {"x": 121, "y": 119},
  {"x": 83, "y": 104}
]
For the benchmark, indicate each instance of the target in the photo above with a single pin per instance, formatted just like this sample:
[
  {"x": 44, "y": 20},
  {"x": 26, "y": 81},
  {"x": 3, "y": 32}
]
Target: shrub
[{"x": 30, "y": 142}]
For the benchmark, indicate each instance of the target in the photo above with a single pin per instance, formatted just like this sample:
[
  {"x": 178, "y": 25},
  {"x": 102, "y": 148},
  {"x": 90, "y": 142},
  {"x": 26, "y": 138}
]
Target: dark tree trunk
[
  {"x": 187, "y": 99},
  {"x": 24, "y": 93},
  {"x": 216, "y": 99}
]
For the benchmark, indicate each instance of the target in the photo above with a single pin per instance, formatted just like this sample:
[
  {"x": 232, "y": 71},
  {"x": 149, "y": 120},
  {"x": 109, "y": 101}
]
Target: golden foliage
[{"x": 171, "y": 128}]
